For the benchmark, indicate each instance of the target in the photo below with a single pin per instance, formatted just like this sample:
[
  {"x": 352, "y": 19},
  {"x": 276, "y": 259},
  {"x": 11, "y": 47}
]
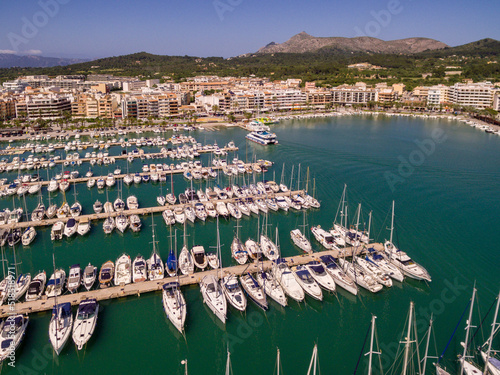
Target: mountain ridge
[
  {"x": 8, "y": 60},
  {"x": 303, "y": 42}
]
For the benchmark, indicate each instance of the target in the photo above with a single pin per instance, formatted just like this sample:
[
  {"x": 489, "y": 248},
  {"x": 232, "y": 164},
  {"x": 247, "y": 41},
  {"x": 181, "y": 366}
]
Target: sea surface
[{"x": 444, "y": 177}]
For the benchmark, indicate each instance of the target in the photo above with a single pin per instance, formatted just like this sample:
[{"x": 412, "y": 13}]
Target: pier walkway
[
  {"x": 138, "y": 211},
  {"x": 136, "y": 289}
]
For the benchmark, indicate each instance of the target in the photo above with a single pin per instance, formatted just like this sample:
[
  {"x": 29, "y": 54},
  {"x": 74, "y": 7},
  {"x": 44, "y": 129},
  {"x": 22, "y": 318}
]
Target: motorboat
[
  {"x": 199, "y": 257},
  {"x": 375, "y": 271},
  {"x": 324, "y": 238},
  {"x": 307, "y": 282},
  {"x": 407, "y": 265},
  {"x": 135, "y": 223},
  {"x": 106, "y": 274},
  {"x": 253, "y": 249},
  {"x": 21, "y": 285},
  {"x": 132, "y": 202},
  {"x": 36, "y": 287},
  {"x": 85, "y": 322},
  {"x": 60, "y": 326},
  {"x": 318, "y": 272},
  {"x": 74, "y": 278},
  {"x": 174, "y": 305},
  {"x": 89, "y": 276},
  {"x": 97, "y": 207},
  {"x": 139, "y": 269},
  {"x": 75, "y": 209},
  {"x": 12, "y": 332},
  {"x": 287, "y": 280},
  {"x": 379, "y": 260},
  {"x": 168, "y": 217},
  {"x": 83, "y": 226},
  {"x": 28, "y": 236},
  {"x": 338, "y": 275},
  {"x": 57, "y": 231},
  {"x": 70, "y": 227},
  {"x": 123, "y": 274},
  {"x": 179, "y": 215},
  {"x": 56, "y": 283},
  {"x": 118, "y": 205},
  {"x": 360, "y": 276}
]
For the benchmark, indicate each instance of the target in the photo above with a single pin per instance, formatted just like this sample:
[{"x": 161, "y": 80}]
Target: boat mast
[
  {"x": 291, "y": 181},
  {"x": 313, "y": 361},
  {"x": 278, "y": 362},
  {"x": 371, "y": 352},
  {"x": 369, "y": 225},
  {"x": 464, "y": 355},
  {"x": 298, "y": 179},
  {"x": 427, "y": 346},
  {"x": 392, "y": 222},
  {"x": 407, "y": 342},
  {"x": 228, "y": 363},
  {"x": 493, "y": 330}
]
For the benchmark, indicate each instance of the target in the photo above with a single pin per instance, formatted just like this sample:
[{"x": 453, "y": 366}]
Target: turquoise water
[{"x": 446, "y": 209}]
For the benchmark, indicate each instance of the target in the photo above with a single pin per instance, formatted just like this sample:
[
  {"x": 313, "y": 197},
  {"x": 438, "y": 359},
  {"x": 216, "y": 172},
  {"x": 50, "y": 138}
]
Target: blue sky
[{"x": 92, "y": 29}]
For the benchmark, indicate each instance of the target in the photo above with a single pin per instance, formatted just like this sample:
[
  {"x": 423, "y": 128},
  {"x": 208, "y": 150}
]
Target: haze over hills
[
  {"x": 8, "y": 60},
  {"x": 304, "y": 42}
]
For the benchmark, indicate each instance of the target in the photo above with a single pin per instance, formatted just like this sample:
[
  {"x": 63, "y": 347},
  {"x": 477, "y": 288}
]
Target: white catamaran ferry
[{"x": 262, "y": 137}]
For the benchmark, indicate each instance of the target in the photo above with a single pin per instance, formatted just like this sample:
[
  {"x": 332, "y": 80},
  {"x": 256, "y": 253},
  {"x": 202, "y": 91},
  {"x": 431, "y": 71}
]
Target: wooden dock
[
  {"x": 137, "y": 289},
  {"x": 138, "y": 211}
]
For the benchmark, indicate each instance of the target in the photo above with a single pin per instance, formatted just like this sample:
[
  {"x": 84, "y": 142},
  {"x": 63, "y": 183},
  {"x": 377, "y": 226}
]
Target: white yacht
[
  {"x": 186, "y": 262},
  {"x": 122, "y": 222},
  {"x": 132, "y": 202},
  {"x": 324, "y": 238},
  {"x": 156, "y": 269},
  {"x": 21, "y": 285},
  {"x": 199, "y": 257},
  {"x": 12, "y": 332},
  {"x": 70, "y": 227},
  {"x": 389, "y": 268},
  {"x": 135, "y": 223},
  {"x": 338, "y": 275},
  {"x": 179, "y": 215},
  {"x": 123, "y": 273},
  {"x": 28, "y": 236},
  {"x": 89, "y": 276},
  {"x": 269, "y": 248},
  {"x": 300, "y": 240},
  {"x": 60, "y": 326},
  {"x": 234, "y": 293},
  {"x": 174, "y": 305},
  {"x": 213, "y": 296},
  {"x": 408, "y": 266},
  {"x": 285, "y": 278},
  {"x": 375, "y": 271},
  {"x": 36, "y": 287},
  {"x": 97, "y": 207},
  {"x": 360, "y": 276},
  {"x": 239, "y": 251},
  {"x": 83, "y": 226},
  {"x": 168, "y": 217},
  {"x": 74, "y": 278},
  {"x": 254, "y": 291},
  {"x": 262, "y": 137},
  {"x": 108, "y": 225},
  {"x": 271, "y": 287},
  {"x": 56, "y": 283},
  {"x": 307, "y": 282},
  {"x": 139, "y": 269},
  {"x": 321, "y": 276},
  {"x": 85, "y": 322}
]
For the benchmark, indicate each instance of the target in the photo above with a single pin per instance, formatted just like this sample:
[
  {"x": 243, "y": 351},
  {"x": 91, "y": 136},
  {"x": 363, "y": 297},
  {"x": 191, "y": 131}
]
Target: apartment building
[
  {"x": 477, "y": 95},
  {"x": 7, "y": 108},
  {"x": 44, "y": 106},
  {"x": 358, "y": 94},
  {"x": 437, "y": 95}
]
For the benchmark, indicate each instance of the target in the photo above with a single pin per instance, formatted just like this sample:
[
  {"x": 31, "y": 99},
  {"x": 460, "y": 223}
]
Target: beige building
[{"x": 476, "y": 95}]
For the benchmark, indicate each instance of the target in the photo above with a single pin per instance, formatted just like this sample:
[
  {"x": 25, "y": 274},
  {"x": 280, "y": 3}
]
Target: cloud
[
  {"x": 32, "y": 52},
  {"x": 9, "y": 51}
]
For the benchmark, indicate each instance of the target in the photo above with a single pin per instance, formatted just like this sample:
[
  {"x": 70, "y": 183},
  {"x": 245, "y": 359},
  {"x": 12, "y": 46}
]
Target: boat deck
[{"x": 137, "y": 289}]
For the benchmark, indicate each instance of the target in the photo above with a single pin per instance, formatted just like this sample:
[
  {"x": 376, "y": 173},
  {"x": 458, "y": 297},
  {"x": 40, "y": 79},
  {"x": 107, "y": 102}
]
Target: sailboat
[
  {"x": 283, "y": 275},
  {"x": 156, "y": 269},
  {"x": 299, "y": 238},
  {"x": 238, "y": 250},
  {"x": 174, "y": 305},
  {"x": 234, "y": 293},
  {"x": 212, "y": 292},
  {"x": 186, "y": 261},
  {"x": 267, "y": 246},
  {"x": 171, "y": 264},
  {"x": 400, "y": 259},
  {"x": 492, "y": 363},
  {"x": 12, "y": 332},
  {"x": 76, "y": 209},
  {"x": 338, "y": 274}
]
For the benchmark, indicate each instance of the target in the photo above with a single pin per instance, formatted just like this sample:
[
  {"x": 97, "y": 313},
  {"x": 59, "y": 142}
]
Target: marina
[{"x": 332, "y": 164}]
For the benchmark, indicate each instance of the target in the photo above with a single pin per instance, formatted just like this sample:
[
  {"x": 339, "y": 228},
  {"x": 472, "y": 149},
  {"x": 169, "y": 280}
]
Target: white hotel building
[{"x": 477, "y": 95}]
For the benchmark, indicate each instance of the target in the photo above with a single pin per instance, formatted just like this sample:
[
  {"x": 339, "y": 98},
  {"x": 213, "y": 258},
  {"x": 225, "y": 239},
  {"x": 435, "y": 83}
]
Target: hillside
[
  {"x": 8, "y": 60},
  {"x": 304, "y": 42}
]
